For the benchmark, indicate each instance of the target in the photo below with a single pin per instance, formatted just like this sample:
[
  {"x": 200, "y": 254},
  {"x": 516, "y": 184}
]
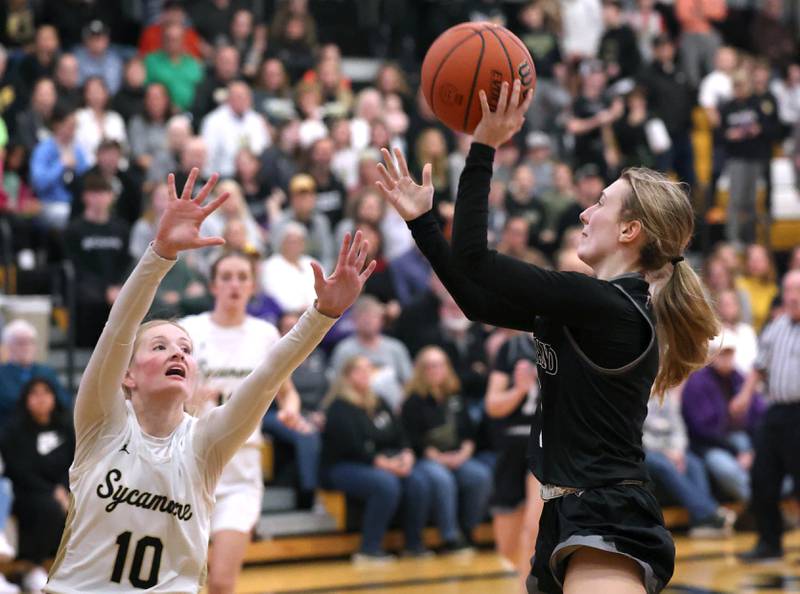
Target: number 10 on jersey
[{"x": 135, "y": 574}]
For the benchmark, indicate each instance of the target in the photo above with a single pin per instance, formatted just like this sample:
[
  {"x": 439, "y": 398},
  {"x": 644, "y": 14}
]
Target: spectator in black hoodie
[
  {"x": 365, "y": 454},
  {"x": 37, "y": 448},
  {"x": 618, "y": 49},
  {"x": 742, "y": 125},
  {"x": 671, "y": 98},
  {"x": 97, "y": 245}
]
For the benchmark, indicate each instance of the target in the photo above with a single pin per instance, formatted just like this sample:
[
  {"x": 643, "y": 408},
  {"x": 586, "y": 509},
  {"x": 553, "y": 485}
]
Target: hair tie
[{"x": 676, "y": 260}]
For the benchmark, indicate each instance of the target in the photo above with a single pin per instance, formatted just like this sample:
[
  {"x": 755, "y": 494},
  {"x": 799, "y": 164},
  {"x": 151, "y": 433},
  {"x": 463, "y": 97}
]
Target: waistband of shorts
[{"x": 550, "y": 492}]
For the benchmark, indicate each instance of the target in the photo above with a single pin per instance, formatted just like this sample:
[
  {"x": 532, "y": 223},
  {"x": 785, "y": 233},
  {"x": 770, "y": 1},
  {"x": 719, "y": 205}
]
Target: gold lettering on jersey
[{"x": 119, "y": 493}]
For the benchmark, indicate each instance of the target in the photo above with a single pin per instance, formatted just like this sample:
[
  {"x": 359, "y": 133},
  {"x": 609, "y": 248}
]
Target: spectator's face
[
  {"x": 98, "y": 201},
  {"x": 295, "y": 29},
  {"x": 173, "y": 40},
  {"x": 247, "y": 165},
  {"x": 67, "y": 74},
  {"x": 589, "y": 189},
  {"x": 40, "y": 403},
  {"x": 329, "y": 74},
  {"x": 46, "y": 41},
  {"x": 233, "y": 285},
  {"x": 379, "y": 135},
  {"x": 303, "y": 203},
  {"x": 22, "y": 348},
  {"x": 388, "y": 80},
  {"x": 515, "y": 235},
  {"x": 97, "y": 44},
  {"x": 370, "y": 105},
  {"x": 532, "y": 16},
  {"x": 65, "y": 129},
  {"x": 194, "y": 155},
  {"x": 793, "y": 74},
  {"x": 523, "y": 182},
  {"x": 274, "y": 76},
  {"x": 665, "y": 52},
  {"x": 791, "y": 294},
  {"x": 761, "y": 76},
  {"x": 226, "y": 63},
  {"x": 160, "y": 199},
  {"x": 44, "y": 96},
  {"x": 723, "y": 362},
  {"x": 562, "y": 178},
  {"x": 242, "y": 24},
  {"x": 611, "y": 15},
  {"x": 369, "y": 321},
  {"x": 293, "y": 246},
  {"x": 360, "y": 374},
  {"x": 594, "y": 84},
  {"x": 239, "y": 98},
  {"x": 178, "y": 133},
  {"x": 728, "y": 307},
  {"x": 434, "y": 365},
  {"x": 108, "y": 158},
  {"x": 370, "y": 209},
  {"x": 135, "y": 74},
  {"x": 742, "y": 89},
  {"x": 758, "y": 261},
  {"x": 719, "y": 277},
  {"x": 341, "y": 133},
  {"x": 96, "y": 94},
  {"x": 774, "y": 8},
  {"x": 726, "y": 60},
  {"x": 156, "y": 101},
  {"x": 322, "y": 153}
]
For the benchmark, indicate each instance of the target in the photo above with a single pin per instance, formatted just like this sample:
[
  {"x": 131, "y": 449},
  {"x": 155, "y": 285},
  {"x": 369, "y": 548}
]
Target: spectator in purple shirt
[{"x": 722, "y": 439}]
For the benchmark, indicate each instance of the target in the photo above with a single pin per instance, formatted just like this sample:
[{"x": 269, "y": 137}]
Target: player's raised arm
[
  {"x": 99, "y": 400},
  {"x": 226, "y": 428}
]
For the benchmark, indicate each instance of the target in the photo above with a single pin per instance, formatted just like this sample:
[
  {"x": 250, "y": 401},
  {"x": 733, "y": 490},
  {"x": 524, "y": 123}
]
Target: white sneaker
[
  {"x": 35, "y": 580},
  {"x": 7, "y": 587}
]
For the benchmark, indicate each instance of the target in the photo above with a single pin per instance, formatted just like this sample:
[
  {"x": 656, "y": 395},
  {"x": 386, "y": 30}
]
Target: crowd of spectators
[{"x": 98, "y": 105}]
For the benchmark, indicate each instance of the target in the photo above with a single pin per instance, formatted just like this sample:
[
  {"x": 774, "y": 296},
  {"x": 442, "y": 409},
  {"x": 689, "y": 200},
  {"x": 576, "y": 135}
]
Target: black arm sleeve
[
  {"x": 477, "y": 303},
  {"x": 576, "y": 298}
]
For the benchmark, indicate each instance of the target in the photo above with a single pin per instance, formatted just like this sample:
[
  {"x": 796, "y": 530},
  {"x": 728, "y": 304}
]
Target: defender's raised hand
[
  {"x": 498, "y": 126},
  {"x": 338, "y": 291},
  {"x": 399, "y": 188},
  {"x": 179, "y": 227}
]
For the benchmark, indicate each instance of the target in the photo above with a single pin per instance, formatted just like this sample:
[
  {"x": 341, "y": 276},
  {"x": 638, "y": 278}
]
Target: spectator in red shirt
[{"x": 172, "y": 13}]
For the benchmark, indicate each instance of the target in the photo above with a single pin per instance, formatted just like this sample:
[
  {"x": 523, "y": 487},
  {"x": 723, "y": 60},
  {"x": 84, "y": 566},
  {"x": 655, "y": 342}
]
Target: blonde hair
[
  {"x": 685, "y": 319},
  {"x": 419, "y": 385},
  {"x": 342, "y": 389},
  {"x": 144, "y": 327}
]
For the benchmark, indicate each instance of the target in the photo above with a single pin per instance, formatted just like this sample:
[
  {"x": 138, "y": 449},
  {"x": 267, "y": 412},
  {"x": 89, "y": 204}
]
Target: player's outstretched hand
[
  {"x": 179, "y": 227},
  {"x": 398, "y": 187},
  {"x": 498, "y": 126},
  {"x": 338, "y": 291}
]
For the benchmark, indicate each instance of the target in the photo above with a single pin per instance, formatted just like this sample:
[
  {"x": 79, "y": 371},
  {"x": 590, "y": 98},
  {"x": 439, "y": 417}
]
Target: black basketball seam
[
  {"x": 474, "y": 81},
  {"x": 520, "y": 45},
  {"x": 441, "y": 64},
  {"x": 505, "y": 51}
]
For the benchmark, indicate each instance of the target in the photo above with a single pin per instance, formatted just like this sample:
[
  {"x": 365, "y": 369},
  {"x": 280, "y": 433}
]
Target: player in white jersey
[
  {"x": 228, "y": 345},
  {"x": 144, "y": 473}
]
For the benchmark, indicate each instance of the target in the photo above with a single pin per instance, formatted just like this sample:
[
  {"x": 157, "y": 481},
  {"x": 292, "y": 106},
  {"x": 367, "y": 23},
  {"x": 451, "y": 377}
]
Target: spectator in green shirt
[{"x": 174, "y": 68}]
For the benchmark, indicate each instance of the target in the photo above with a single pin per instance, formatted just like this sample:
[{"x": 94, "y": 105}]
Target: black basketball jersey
[{"x": 589, "y": 430}]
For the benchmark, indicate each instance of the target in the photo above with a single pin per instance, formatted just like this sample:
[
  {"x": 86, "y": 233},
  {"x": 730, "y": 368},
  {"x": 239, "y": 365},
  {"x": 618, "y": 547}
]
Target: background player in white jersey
[
  {"x": 228, "y": 345},
  {"x": 145, "y": 472}
]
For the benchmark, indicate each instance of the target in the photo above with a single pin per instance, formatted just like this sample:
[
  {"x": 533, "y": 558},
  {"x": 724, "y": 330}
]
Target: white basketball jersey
[
  {"x": 225, "y": 356},
  {"x": 139, "y": 518}
]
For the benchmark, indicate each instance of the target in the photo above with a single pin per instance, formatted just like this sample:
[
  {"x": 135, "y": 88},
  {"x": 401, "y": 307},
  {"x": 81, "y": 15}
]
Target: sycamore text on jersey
[{"x": 137, "y": 498}]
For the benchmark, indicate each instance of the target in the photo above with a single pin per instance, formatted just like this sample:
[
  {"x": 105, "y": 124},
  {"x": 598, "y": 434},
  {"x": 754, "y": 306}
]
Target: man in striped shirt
[{"x": 778, "y": 439}]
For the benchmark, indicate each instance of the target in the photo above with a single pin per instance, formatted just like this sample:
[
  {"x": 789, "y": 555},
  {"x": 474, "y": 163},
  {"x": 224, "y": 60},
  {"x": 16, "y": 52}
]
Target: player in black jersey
[
  {"x": 511, "y": 398},
  {"x": 604, "y": 344}
]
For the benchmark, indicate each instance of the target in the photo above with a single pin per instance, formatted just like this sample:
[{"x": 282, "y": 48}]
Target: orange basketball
[{"x": 467, "y": 58}]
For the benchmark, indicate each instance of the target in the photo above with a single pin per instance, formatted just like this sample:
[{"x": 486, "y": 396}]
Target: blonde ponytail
[{"x": 685, "y": 319}]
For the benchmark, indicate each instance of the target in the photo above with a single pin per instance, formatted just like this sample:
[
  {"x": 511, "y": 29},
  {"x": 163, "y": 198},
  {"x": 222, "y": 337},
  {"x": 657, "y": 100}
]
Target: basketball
[{"x": 467, "y": 58}]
